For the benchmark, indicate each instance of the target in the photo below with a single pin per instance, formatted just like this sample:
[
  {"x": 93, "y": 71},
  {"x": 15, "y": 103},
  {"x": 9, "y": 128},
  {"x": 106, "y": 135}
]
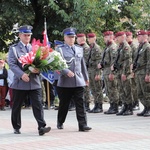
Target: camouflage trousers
[
  {"x": 134, "y": 89},
  {"x": 87, "y": 94},
  {"x": 96, "y": 88},
  {"x": 111, "y": 89},
  {"x": 143, "y": 90},
  {"x": 125, "y": 92}
]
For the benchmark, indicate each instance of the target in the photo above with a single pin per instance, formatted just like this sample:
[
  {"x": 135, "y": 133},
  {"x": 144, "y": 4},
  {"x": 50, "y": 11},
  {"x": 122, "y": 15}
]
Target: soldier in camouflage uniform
[
  {"x": 122, "y": 66},
  {"x": 105, "y": 64},
  {"x": 129, "y": 39},
  {"x": 95, "y": 73},
  {"x": 81, "y": 40},
  {"x": 141, "y": 67}
]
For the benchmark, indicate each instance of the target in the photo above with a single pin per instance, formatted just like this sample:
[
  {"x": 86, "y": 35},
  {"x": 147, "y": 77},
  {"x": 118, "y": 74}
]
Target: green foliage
[{"x": 85, "y": 15}]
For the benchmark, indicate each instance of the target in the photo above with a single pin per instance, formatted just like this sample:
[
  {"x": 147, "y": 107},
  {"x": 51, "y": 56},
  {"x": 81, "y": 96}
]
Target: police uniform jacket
[
  {"x": 143, "y": 62},
  {"x": 17, "y": 69},
  {"x": 76, "y": 64}
]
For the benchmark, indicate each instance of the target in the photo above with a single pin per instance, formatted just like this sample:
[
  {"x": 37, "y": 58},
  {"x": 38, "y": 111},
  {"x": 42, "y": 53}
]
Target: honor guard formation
[{"x": 120, "y": 71}]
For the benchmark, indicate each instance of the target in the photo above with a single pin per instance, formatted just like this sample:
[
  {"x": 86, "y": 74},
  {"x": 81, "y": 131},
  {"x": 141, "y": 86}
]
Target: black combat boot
[
  {"x": 129, "y": 110},
  {"x": 115, "y": 109},
  {"x": 110, "y": 109},
  {"x": 136, "y": 105},
  {"x": 97, "y": 108},
  {"x": 147, "y": 113},
  {"x": 87, "y": 106},
  {"x": 143, "y": 112},
  {"x": 124, "y": 107}
]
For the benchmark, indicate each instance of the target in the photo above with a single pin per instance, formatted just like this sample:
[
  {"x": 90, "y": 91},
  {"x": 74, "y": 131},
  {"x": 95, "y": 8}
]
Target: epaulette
[
  {"x": 14, "y": 45},
  {"x": 62, "y": 45}
]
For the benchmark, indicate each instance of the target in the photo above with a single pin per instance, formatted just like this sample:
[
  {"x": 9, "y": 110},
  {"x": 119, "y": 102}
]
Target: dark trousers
[
  {"x": 36, "y": 100},
  {"x": 65, "y": 95}
]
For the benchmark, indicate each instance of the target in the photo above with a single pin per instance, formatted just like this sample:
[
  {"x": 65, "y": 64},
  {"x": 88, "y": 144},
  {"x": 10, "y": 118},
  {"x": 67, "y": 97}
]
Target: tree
[{"x": 86, "y": 15}]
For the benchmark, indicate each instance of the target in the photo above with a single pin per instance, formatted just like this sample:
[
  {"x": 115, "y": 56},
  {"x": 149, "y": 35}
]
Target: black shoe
[
  {"x": 44, "y": 130},
  {"x": 60, "y": 125},
  {"x": 17, "y": 131},
  {"x": 85, "y": 128}
]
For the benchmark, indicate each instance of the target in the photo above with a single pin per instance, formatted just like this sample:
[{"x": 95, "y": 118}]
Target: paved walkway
[{"x": 110, "y": 132}]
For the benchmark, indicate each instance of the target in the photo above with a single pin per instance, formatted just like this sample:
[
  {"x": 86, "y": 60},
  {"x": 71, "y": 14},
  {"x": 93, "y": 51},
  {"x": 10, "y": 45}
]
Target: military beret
[
  {"x": 26, "y": 29},
  {"x": 57, "y": 42},
  {"x": 80, "y": 35},
  {"x": 128, "y": 33},
  {"x": 108, "y": 33},
  {"x": 91, "y": 35},
  {"x": 69, "y": 31},
  {"x": 142, "y": 32},
  {"x": 120, "y": 33}
]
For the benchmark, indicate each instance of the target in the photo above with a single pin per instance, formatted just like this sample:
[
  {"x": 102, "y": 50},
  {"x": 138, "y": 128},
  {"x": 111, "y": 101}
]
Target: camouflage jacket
[
  {"x": 143, "y": 62},
  {"x": 133, "y": 50},
  {"x": 125, "y": 58},
  {"x": 86, "y": 49},
  {"x": 110, "y": 53},
  {"x": 94, "y": 58}
]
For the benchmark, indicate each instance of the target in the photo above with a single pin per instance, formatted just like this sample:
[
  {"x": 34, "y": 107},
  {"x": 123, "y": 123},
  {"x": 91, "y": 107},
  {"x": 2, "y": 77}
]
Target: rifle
[
  {"x": 116, "y": 65},
  {"x": 135, "y": 64},
  {"x": 87, "y": 63},
  {"x": 102, "y": 63}
]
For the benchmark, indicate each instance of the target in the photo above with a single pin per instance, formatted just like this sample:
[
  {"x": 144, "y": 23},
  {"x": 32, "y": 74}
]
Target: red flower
[{"x": 27, "y": 59}]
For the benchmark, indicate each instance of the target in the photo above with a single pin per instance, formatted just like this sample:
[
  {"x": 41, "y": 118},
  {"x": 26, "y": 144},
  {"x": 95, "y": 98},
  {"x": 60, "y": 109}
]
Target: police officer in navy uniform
[
  {"x": 24, "y": 84},
  {"x": 72, "y": 81}
]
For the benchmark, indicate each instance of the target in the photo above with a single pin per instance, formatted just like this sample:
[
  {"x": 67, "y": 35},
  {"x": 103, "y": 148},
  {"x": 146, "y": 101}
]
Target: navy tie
[
  {"x": 27, "y": 49},
  {"x": 73, "y": 49}
]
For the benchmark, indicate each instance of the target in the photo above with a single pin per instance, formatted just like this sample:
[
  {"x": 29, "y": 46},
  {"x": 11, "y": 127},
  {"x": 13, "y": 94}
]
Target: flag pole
[{"x": 47, "y": 83}]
